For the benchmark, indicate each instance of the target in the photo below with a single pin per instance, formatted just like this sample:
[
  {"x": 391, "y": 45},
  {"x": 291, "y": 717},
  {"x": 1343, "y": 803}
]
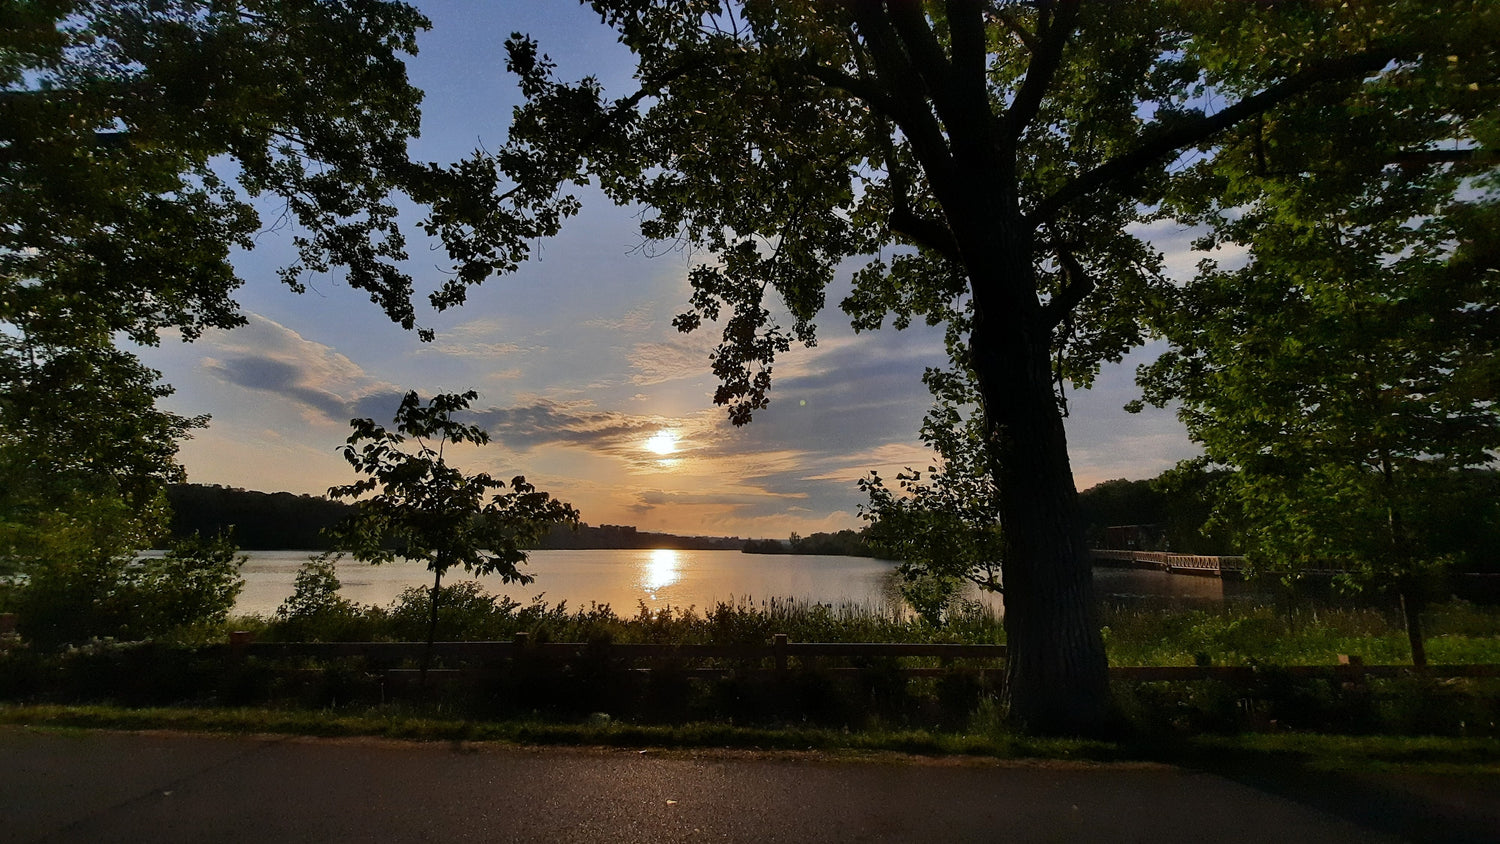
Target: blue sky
[{"x": 574, "y": 356}]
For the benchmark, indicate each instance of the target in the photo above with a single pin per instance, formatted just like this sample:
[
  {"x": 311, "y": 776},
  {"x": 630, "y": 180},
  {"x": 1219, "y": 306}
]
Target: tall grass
[
  {"x": 1138, "y": 633},
  {"x": 1243, "y": 633},
  {"x": 467, "y": 612}
]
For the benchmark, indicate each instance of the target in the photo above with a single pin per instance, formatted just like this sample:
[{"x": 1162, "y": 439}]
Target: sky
[{"x": 584, "y": 385}]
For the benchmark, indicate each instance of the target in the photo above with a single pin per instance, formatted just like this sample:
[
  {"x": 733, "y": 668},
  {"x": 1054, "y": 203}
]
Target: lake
[{"x": 661, "y": 577}]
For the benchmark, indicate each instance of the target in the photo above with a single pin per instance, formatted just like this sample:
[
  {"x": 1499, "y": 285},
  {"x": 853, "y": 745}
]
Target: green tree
[
  {"x": 92, "y": 585},
  {"x": 945, "y": 529},
  {"x": 84, "y": 454},
  {"x": 1348, "y": 369},
  {"x": 1119, "y": 502},
  {"x": 995, "y": 156},
  {"x": 136, "y": 137},
  {"x": 315, "y": 611},
  {"x": 136, "y": 134},
  {"x": 425, "y": 509},
  {"x": 80, "y": 421},
  {"x": 1195, "y": 523}
]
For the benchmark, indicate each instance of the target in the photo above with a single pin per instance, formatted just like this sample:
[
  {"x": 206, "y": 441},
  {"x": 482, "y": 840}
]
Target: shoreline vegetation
[
  {"x": 180, "y": 677},
  {"x": 1163, "y": 513},
  {"x": 598, "y": 699}
]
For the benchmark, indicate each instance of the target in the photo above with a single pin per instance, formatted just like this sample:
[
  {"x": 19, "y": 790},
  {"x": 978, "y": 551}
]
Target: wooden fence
[
  {"x": 489, "y": 655},
  {"x": 477, "y": 657}
]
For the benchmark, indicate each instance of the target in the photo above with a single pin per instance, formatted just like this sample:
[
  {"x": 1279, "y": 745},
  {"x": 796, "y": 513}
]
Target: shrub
[
  {"x": 315, "y": 612},
  {"x": 112, "y": 596}
]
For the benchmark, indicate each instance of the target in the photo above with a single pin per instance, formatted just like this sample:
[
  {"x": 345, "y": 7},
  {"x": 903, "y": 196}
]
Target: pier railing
[{"x": 1212, "y": 566}]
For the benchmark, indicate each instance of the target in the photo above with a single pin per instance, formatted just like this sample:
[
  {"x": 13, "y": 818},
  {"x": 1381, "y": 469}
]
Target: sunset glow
[{"x": 662, "y": 443}]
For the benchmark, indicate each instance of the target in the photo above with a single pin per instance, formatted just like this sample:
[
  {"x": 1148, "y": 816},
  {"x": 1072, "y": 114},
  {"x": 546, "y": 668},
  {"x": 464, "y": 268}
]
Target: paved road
[{"x": 91, "y": 786}]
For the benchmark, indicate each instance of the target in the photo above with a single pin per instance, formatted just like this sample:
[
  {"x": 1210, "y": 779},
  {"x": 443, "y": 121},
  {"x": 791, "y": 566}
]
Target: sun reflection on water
[{"x": 661, "y": 570}]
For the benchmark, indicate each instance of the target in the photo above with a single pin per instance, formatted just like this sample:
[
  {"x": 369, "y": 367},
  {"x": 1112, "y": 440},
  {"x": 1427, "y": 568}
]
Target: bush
[
  {"x": 315, "y": 612},
  {"x": 112, "y": 596}
]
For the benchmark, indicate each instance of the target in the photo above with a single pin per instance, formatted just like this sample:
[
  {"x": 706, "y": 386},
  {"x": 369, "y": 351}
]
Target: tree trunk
[
  {"x": 1411, "y": 608},
  {"x": 1057, "y": 678},
  {"x": 432, "y": 619}
]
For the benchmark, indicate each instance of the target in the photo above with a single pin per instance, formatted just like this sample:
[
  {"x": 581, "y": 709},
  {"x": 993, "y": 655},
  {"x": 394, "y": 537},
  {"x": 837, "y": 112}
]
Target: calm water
[{"x": 624, "y": 578}]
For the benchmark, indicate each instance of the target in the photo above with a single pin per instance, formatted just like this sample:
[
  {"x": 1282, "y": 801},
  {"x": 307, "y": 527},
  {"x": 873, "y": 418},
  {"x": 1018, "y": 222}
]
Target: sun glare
[
  {"x": 662, "y": 443},
  {"x": 661, "y": 571}
]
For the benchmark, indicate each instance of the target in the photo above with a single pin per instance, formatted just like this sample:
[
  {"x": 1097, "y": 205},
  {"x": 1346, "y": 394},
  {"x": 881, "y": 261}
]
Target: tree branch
[
  {"x": 974, "y": 117},
  {"x": 924, "y": 231},
  {"x": 1161, "y": 145},
  {"x": 1420, "y": 157},
  {"x": 620, "y": 109},
  {"x": 1054, "y": 35},
  {"x": 1077, "y": 288},
  {"x": 927, "y": 59},
  {"x": 1022, "y": 34},
  {"x": 861, "y": 89},
  {"x": 908, "y": 102}
]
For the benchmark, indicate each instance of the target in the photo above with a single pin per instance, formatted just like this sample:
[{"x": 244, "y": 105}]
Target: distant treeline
[
  {"x": 281, "y": 521},
  {"x": 1176, "y": 506},
  {"x": 845, "y": 543},
  {"x": 624, "y": 536},
  {"x": 257, "y": 521}
]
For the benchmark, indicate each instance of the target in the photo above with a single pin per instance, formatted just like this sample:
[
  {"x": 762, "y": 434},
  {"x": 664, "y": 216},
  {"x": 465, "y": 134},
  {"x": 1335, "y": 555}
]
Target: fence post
[
  {"x": 519, "y": 642},
  {"x": 239, "y": 642},
  {"x": 779, "y": 648},
  {"x": 1353, "y": 669}
]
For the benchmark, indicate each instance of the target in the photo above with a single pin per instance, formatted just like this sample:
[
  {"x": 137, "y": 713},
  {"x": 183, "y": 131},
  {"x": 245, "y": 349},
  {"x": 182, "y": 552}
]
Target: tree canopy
[
  {"x": 137, "y": 141},
  {"x": 989, "y": 165},
  {"x": 1348, "y": 367}
]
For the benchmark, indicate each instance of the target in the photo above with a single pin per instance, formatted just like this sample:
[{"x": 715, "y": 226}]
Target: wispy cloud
[
  {"x": 637, "y": 320},
  {"x": 489, "y": 339},
  {"x": 268, "y": 357},
  {"x": 548, "y": 422},
  {"x": 672, "y": 360}
]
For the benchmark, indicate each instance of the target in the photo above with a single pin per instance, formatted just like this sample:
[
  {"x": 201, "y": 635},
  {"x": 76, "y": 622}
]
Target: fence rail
[
  {"x": 483, "y": 656},
  {"x": 493, "y": 653}
]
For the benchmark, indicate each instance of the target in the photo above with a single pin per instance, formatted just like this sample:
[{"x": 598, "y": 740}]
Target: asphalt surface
[{"x": 96, "y": 786}]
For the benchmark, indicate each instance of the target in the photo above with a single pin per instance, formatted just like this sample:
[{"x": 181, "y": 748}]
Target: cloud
[
  {"x": 277, "y": 376},
  {"x": 478, "y": 338},
  {"x": 737, "y": 504},
  {"x": 547, "y": 422},
  {"x": 268, "y": 357},
  {"x": 659, "y": 363},
  {"x": 1179, "y": 259},
  {"x": 1106, "y": 442},
  {"x": 635, "y": 321},
  {"x": 845, "y": 396}
]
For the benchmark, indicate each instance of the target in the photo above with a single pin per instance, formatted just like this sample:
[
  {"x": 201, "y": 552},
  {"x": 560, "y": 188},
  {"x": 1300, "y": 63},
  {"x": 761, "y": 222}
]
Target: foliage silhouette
[{"x": 428, "y": 510}]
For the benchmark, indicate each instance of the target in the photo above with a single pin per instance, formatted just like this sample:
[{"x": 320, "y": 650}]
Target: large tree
[
  {"x": 1348, "y": 365},
  {"x": 995, "y": 155}
]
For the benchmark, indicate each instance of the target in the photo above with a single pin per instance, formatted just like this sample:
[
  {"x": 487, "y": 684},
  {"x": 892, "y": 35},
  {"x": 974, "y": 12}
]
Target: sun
[{"x": 662, "y": 443}]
